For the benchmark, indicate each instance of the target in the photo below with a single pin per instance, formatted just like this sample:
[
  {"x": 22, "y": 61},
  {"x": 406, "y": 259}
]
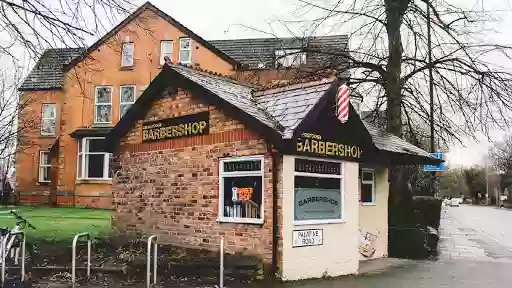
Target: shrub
[{"x": 429, "y": 208}]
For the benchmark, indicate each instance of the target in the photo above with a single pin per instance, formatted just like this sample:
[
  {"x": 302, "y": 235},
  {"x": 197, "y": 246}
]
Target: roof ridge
[
  {"x": 281, "y": 38},
  {"x": 291, "y": 85}
]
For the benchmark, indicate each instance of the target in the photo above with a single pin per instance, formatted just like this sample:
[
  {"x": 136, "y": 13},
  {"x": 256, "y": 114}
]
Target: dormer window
[{"x": 290, "y": 57}]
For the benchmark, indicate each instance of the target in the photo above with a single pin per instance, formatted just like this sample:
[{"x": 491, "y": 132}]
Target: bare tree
[
  {"x": 500, "y": 155},
  {"x": 390, "y": 63}
]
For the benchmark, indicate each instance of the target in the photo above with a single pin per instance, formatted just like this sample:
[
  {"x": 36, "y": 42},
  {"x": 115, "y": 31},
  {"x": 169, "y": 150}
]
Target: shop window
[
  {"x": 165, "y": 50},
  {"x": 318, "y": 192},
  {"x": 127, "y": 55},
  {"x": 185, "y": 50},
  {"x": 93, "y": 163},
  {"x": 241, "y": 189},
  {"x": 48, "y": 119},
  {"x": 290, "y": 58},
  {"x": 44, "y": 166},
  {"x": 367, "y": 178},
  {"x": 103, "y": 105},
  {"x": 126, "y": 99}
]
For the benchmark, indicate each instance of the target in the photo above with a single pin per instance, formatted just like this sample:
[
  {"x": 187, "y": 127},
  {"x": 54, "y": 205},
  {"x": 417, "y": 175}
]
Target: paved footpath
[{"x": 475, "y": 253}]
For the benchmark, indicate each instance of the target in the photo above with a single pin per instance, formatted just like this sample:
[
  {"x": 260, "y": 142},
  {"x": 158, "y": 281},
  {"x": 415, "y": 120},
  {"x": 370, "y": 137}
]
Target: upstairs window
[
  {"x": 290, "y": 57},
  {"x": 48, "y": 119},
  {"x": 93, "y": 162},
  {"x": 44, "y": 167},
  {"x": 127, "y": 55},
  {"x": 103, "y": 105},
  {"x": 185, "y": 50},
  {"x": 367, "y": 178},
  {"x": 126, "y": 99},
  {"x": 165, "y": 50}
]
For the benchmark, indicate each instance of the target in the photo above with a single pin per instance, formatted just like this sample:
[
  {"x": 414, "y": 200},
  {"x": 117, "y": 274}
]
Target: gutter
[{"x": 275, "y": 214}]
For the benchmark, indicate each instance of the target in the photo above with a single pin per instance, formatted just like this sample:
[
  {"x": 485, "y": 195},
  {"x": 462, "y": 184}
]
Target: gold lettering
[
  {"x": 151, "y": 135},
  {"x": 306, "y": 146},
  {"x": 340, "y": 150},
  {"x": 188, "y": 129},
  {"x": 299, "y": 146},
  {"x": 328, "y": 148},
  {"x": 354, "y": 151},
  {"x": 321, "y": 147},
  {"x": 347, "y": 151},
  {"x": 314, "y": 146},
  {"x": 144, "y": 135},
  {"x": 195, "y": 127},
  {"x": 162, "y": 133},
  {"x": 202, "y": 125},
  {"x": 168, "y": 132}
]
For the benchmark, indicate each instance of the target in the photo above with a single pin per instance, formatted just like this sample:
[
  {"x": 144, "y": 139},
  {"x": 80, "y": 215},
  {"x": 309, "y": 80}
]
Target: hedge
[{"x": 429, "y": 208}]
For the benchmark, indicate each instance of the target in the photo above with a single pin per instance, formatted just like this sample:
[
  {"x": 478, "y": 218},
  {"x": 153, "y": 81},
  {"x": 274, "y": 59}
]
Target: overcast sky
[{"x": 224, "y": 19}]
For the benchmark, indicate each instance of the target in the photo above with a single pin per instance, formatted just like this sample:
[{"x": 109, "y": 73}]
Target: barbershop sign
[
  {"x": 309, "y": 237},
  {"x": 171, "y": 128},
  {"x": 313, "y": 144}
]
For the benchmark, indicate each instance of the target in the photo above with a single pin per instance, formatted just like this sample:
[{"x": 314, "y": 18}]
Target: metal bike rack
[
  {"x": 73, "y": 260},
  {"x": 221, "y": 268},
  {"x": 3, "y": 254},
  {"x": 151, "y": 240}
]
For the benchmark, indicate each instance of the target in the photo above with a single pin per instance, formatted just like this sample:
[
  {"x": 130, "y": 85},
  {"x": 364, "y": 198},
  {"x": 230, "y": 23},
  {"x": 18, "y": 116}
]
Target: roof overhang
[{"x": 90, "y": 132}]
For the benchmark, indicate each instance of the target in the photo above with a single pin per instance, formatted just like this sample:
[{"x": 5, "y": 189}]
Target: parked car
[{"x": 455, "y": 202}]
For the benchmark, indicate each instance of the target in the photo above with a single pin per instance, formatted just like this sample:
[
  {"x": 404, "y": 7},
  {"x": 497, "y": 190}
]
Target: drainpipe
[{"x": 275, "y": 214}]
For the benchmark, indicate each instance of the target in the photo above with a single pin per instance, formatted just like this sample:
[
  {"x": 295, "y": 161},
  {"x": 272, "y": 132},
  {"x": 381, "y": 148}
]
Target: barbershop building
[{"x": 273, "y": 171}]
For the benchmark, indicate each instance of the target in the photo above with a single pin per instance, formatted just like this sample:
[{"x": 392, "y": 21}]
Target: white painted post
[{"x": 221, "y": 280}]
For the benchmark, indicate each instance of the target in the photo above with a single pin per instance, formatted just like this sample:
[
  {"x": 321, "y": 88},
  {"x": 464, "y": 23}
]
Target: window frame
[
  {"x": 341, "y": 177},
  {"x": 297, "y": 53},
  {"x": 189, "y": 61},
  {"x": 373, "y": 182},
  {"x": 123, "y": 64},
  {"x": 43, "y": 119},
  {"x": 41, "y": 166},
  {"x": 163, "y": 54},
  {"x": 102, "y": 104},
  {"x": 83, "y": 154},
  {"x": 121, "y": 103},
  {"x": 222, "y": 174}
]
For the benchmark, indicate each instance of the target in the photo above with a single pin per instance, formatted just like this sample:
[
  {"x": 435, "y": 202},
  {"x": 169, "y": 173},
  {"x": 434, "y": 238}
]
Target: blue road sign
[{"x": 439, "y": 167}]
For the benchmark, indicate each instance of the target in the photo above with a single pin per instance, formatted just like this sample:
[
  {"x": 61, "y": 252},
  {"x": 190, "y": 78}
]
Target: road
[{"x": 475, "y": 252}]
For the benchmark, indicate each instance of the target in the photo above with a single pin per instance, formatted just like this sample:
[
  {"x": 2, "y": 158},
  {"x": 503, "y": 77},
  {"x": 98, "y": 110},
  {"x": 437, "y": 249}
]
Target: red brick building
[{"x": 200, "y": 156}]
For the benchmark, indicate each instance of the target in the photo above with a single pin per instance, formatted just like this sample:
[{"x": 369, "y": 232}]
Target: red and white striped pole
[{"x": 342, "y": 103}]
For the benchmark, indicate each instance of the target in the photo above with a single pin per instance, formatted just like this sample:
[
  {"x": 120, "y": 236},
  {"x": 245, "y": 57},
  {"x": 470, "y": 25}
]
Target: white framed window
[
  {"x": 127, "y": 54},
  {"x": 290, "y": 57},
  {"x": 103, "y": 104},
  {"x": 44, "y": 167},
  {"x": 93, "y": 163},
  {"x": 185, "y": 50},
  {"x": 241, "y": 189},
  {"x": 367, "y": 178},
  {"x": 126, "y": 98},
  {"x": 318, "y": 191},
  {"x": 166, "y": 47},
  {"x": 48, "y": 119}
]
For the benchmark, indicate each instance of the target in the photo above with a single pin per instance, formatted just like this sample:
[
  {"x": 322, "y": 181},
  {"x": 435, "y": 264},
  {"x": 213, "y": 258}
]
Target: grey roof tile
[
  {"x": 231, "y": 91},
  {"x": 47, "y": 73},
  {"x": 289, "y": 105},
  {"x": 257, "y": 51},
  {"x": 386, "y": 141}
]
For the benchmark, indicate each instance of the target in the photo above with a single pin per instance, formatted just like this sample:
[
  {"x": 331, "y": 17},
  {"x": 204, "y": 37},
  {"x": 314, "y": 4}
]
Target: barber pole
[{"x": 342, "y": 103}]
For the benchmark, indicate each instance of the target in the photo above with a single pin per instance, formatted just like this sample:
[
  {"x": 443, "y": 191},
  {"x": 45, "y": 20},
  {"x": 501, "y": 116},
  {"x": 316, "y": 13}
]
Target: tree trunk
[{"x": 398, "y": 189}]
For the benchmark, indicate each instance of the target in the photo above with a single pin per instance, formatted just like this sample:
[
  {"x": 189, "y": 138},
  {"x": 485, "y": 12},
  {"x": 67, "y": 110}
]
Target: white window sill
[
  {"x": 239, "y": 220},
  {"x": 94, "y": 181},
  {"x": 368, "y": 204},
  {"x": 318, "y": 222}
]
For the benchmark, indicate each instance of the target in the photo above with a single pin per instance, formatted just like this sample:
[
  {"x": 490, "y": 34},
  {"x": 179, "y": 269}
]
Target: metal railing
[
  {"x": 151, "y": 240},
  {"x": 73, "y": 260},
  {"x": 3, "y": 254},
  {"x": 221, "y": 268}
]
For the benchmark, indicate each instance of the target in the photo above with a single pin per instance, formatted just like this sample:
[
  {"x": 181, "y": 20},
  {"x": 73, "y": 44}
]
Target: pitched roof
[
  {"x": 165, "y": 16},
  {"x": 289, "y": 105},
  {"x": 47, "y": 73},
  {"x": 274, "y": 113},
  {"x": 261, "y": 51}
]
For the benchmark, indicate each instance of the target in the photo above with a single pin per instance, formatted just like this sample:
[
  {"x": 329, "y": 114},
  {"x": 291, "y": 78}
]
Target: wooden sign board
[{"x": 172, "y": 128}]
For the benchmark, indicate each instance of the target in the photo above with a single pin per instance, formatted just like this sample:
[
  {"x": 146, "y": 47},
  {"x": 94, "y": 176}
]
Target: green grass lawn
[{"x": 59, "y": 224}]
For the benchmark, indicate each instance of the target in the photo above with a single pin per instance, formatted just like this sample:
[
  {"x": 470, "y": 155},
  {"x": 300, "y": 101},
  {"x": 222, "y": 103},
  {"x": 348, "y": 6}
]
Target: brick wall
[{"x": 171, "y": 187}]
